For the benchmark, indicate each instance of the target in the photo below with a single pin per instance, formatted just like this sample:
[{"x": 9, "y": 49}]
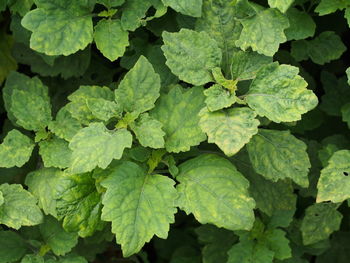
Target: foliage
[{"x": 174, "y": 131}]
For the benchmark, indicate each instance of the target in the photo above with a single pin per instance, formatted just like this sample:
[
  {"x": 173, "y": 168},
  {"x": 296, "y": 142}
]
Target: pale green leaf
[
  {"x": 64, "y": 126},
  {"x": 191, "y": 55},
  {"x": 103, "y": 109},
  {"x": 263, "y": 32},
  {"x": 1, "y": 199},
  {"x": 60, "y": 27},
  {"x": 218, "y": 98},
  {"x": 330, "y": 6},
  {"x": 284, "y": 156},
  {"x": 110, "y": 38},
  {"x": 282, "y": 5},
  {"x": 55, "y": 152},
  {"x": 229, "y": 129},
  {"x": 19, "y": 207},
  {"x": 215, "y": 192},
  {"x": 280, "y": 94},
  {"x": 95, "y": 146},
  {"x": 248, "y": 251},
  {"x": 218, "y": 20},
  {"x": 15, "y": 150},
  {"x": 334, "y": 183},
  {"x": 43, "y": 184},
  {"x": 139, "y": 205},
  {"x": 178, "y": 112},
  {"x": 301, "y": 25},
  {"x": 319, "y": 222},
  {"x": 149, "y": 131},
  {"x": 7, "y": 62},
  {"x": 60, "y": 241},
  {"x": 186, "y": 7},
  {"x": 139, "y": 89},
  {"x": 12, "y": 247}
]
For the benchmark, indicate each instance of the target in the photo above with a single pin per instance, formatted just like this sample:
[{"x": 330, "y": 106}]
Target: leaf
[
  {"x": 334, "y": 183},
  {"x": 282, "y": 5},
  {"x": 191, "y": 55},
  {"x": 133, "y": 13},
  {"x": 59, "y": 27},
  {"x": 7, "y": 62},
  {"x": 96, "y": 146},
  {"x": 32, "y": 258},
  {"x": 301, "y": 25},
  {"x": 186, "y": 7},
  {"x": 111, "y": 3},
  {"x": 65, "y": 126},
  {"x": 229, "y": 129},
  {"x": 345, "y": 111},
  {"x": 43, "y": 184},
  {"x": 319, "y": 222},
  {"x": 79, "y": 204},
  {"x": 218, "y": 98},
  {"x": 149, "y": 131},
  {"x": 12, "y": 247},
  {"x": 249, "y": 251},
  {"x": 139, "y": 205},
  {"x": 330, "y": 6},
  {"x": 103, "y": 109},
  {"x": 60, "y": 241},
  {"x": 218, "y": 20},
  {"x": 139, "y": 89},
  {"x": 55, "y": 153},
  {"x": 215, "y": 192},
  {"x": 178, "y": 112},
  {"x": 19, "y": 207},
  {"x": 15, "y": 150},
  {"x": 1, "y": 199},
  {"x": 284, "y": 156},
  {"x": 277, "y": 242},
  {"x": 280, "y": 94},
  {"x": 110, "y": 38},
  {"x": 263, "y": 32}
]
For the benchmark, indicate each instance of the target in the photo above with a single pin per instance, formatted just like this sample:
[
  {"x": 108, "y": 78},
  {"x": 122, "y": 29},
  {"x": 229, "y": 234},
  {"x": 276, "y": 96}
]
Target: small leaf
[
  {"x": 55, "y": 153},
  {"x": 249, "y": 251},
  {"x": 218, "y": 98},
  {"x": 186, "y": 7},
  {"x": 281, "y": 5},
  {"x": 103, "y": 109}
]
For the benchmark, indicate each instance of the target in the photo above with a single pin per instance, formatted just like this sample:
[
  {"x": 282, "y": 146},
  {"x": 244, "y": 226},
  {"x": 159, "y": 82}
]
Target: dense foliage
[{"x": 179, "y": 131}]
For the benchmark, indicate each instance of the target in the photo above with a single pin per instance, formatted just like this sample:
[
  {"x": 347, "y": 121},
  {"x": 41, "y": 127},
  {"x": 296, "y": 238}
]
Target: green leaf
[
  {"x": 12, "y": 247},
  {"x": 79, "y": 204},
  {"x": 249, "y": 251},
  {"x": 215, "y": 192},
  {"x": 319, "y": 222},
  {"x": 186, "y": 7},
  {"x": 280, "y": 94},
  {"x": 246, "y": 64},
  {"x": 133, "y": 13},
  {"x": 110, "y": 38},
  {"x": 60, "y": 241},
  {"x": 64, "y": 126},
  {"x": 15, "y": 150},
  {"x": 1, "y": 199},
  {"x": 326, "y": 47},
  {"x": 103, "y": 109},
  {"x": 345, "y": 112},
  {"x": 229, "y": 129},
  {"x": 282, "y": 5},
  {"x": 20, "y": 6},
  {"x": 111, "y": 3},
  {"x": 276, "y": 241},
  {"x": 55, "y": 153},
  {"x": 32, "y": 258},
  {"x": 330, "y": 6},
  {"x": 139, "y": 205},
  {"x": 59, "y": 27},
  {"x": 95, "y": 146},
  {"x": 191, "y": 55},
  {"x": 178, "y": 112},
  {"x": 301, "y": 25},
  {"x": 218, "y": 20},
  {"x": 263, "y": 32},
  {"x": 43, "y": 185},
  {"x": 218, "y": 98},
  {"x": 139, "y": 89},
  {"x": 7, "y": 62},
  {"x": 284, "y": 156},
  {"x": 334, "y": 183},
  {"x": 149, "y": 131},
  {"x": 19, "y": 207}
]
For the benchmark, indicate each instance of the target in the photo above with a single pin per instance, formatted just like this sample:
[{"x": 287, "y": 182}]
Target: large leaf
[
  {"x": 215, "y": 192},
  {"x": 95, "y": 146},
  {"x": 139, "y": 89},
  {"x": 60, "y": 27},
  {"x": 229, "y": 129},
  {"x": 12, "y": 247},
  {"x": 191, "y": 55},
  {"x": 19, "y": 207},
  {"x": 280, "y": 94},
  {"x": 178, "y": 112},
  {"x": 139, "y": 205},
  {"x": 278, "y": 154},
  {"x": 15, "y": 150},
  {"x": 301, "y": 25}
]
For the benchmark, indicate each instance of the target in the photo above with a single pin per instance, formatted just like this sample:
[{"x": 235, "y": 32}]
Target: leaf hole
[
  {"x": 316, "y": 214},
  {"x": 345, "y": 173}
]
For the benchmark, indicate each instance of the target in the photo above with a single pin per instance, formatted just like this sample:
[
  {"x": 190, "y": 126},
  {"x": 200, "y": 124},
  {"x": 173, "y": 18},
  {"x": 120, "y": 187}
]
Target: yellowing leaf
[
  {"x": 55, "y": 153},
  {"x": 186, "y": 7},
  {"x": 281, "y": 5}
]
